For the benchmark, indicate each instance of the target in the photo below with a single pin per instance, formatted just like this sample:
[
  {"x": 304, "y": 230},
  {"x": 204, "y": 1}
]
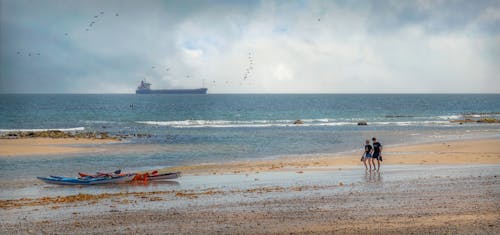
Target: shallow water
[
  {"x": 218, "y": 128},
  {"x": 326, "y": 177},
  {"x": 186, "y": 129}
]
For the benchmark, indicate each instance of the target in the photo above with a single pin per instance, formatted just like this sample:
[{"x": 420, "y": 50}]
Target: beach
[
  {"x": 47, "y": 146},
  {"x": 440, "y": 187},
  {"x": 247, "y": 168},
  {"x": 249, "y": 117},
  {"x": 483, "y": 151}
]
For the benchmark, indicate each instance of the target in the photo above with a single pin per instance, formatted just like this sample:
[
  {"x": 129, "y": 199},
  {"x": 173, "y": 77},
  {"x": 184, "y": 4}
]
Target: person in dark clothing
[
  {"x": 367, "y": 155},
  {"x": 377, "y": 153}
]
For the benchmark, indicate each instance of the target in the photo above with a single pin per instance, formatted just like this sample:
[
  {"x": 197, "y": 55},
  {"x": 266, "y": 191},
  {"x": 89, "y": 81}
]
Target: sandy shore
[
  {"x": 45, "y": 146},
  {"x": 466, "y": 202},
  {"x": 484, "y": 151},
  {"x": 437, "y": 188}
]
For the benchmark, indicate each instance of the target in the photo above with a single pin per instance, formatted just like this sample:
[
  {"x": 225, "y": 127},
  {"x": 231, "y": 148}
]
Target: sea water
[{"x": 172, "y": 130}]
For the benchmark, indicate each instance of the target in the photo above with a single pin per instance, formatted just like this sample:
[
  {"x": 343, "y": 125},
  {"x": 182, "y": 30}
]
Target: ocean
[{"x": 172, "y": 130}]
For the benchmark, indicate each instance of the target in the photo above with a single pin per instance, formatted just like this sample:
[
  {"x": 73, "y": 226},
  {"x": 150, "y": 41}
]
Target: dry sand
[
  {"x": 464, "y": 203},
  {"x": 46, "y": 146},
  {"x": 486, "y": 151}
]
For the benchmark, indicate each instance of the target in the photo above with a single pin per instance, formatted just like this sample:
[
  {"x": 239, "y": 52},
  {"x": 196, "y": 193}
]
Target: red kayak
[{"x": 154, "y": 175}]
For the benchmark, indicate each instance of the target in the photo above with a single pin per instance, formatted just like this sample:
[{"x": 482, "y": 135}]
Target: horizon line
[{"x": 271, "y": 93}]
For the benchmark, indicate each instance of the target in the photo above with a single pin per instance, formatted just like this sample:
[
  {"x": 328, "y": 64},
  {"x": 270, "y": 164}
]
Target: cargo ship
[{"x": 145, "y": 88}]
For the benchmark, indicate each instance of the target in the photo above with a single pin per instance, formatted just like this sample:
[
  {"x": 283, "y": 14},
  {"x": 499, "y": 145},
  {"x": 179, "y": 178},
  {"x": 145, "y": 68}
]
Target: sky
[{"x": 438, "y": 46}]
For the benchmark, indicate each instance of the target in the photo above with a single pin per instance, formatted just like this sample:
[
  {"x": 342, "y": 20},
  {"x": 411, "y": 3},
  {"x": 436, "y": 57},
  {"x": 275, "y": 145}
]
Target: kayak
[
  {"x": 148, "y": 176},
  {"x": 101, "y": 174},
  {"x": 86, "y": 180},
  {"x": 164, "y": 176}
]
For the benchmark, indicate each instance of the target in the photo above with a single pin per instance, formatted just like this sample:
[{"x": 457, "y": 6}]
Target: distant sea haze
[{"x": 191, "y": 129}]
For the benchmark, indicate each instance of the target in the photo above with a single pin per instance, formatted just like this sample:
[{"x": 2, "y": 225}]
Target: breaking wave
[{"x": 281, "y": 123}]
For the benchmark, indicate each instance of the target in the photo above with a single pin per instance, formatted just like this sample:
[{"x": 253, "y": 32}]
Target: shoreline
[
  {"x": 40, "y": 146},
  {"x": 455, "y": 152},
  {"x": 440, "y": 187},
  {"x": 437, "y": 152}
]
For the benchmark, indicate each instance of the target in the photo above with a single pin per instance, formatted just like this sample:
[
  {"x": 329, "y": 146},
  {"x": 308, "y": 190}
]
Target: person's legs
[
  {"x": 378, "y": 161},
  {"x": 364, "y": 162},
  {"x": 370, "y": 163},
  {"x": 375, "y": 156}
]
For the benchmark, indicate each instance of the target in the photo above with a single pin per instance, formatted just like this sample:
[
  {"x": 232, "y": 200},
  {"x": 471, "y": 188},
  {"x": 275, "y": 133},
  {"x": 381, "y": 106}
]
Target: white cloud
[
  {"x": 283, "y": 73},
  {"x": 320, "y": 46},
  {"x": 192, "y": 54}
]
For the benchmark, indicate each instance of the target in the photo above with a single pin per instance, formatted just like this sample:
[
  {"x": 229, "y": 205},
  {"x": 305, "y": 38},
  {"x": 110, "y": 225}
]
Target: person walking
[
  {"x": 377, "y": 153},
  {"x": 367, "y": 155}
]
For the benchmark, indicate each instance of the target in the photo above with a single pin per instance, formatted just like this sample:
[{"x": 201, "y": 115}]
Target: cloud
[{"x": 296, "y": 46}]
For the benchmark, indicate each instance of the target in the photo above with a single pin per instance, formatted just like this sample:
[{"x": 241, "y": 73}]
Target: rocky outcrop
[
  {"x": 56, "y": 134},
  {"x": 298, "y": 122},
  {"x": 482, "y": 120},
  {"x": 488, "y": 120}
]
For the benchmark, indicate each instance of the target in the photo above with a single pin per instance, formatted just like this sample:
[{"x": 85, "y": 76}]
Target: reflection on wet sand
[{"x": 372, "y": 176}]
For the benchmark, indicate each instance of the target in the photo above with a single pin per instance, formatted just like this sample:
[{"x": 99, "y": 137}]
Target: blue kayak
[{"x": 87, "y": 180}]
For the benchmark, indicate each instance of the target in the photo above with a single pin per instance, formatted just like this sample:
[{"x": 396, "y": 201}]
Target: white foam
[
  {"x": 38, "y": 130},
  {"x": 219, "y": 123},
  {"x": 96, "y": 122},
  {"x": 318, "y": 120},
  {"x": 281, "y": 123},
  {"x": 417, "y": 123},
  {"x": 448, "y": 117}
]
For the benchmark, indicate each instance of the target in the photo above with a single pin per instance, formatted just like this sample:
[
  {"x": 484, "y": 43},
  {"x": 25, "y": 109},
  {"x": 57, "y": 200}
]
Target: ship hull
[{"x": 173, "y": 91}]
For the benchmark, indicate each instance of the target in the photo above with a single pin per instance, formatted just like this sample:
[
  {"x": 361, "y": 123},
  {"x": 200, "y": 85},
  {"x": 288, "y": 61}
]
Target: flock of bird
[
  {"x": 19, "y": 53},
  {"x": 249, "y": 67},
  {"x": 248, "y": 70},
  {"x": 166, "y": 68},
  {"x": 93, "y": 21},
  {"x": 89, "y": 26}
]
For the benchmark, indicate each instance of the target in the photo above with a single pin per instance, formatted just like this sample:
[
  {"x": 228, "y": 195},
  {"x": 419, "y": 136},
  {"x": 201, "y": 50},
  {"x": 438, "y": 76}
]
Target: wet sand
[
  {"x": 483, "y": 151},
  {"x": 422, "y": 200},
  {"x": 46, "y": 146},
  {"x": 444, "y": 187}
]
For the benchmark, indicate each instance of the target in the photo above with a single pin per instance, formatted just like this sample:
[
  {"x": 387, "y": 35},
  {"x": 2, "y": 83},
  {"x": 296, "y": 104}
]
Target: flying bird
[{"x": 249, "y": 67}]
